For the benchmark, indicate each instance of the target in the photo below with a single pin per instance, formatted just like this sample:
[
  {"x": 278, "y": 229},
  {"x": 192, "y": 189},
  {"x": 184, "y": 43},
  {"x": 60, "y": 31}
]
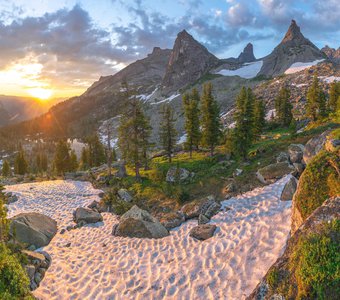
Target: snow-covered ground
[
  {"x": 169, "y": 99},
  {"x": 250, "y": 237},
  {"x": 249, "y": 70},
  {"x": 299, "y": 66},
  {"x": 330, "y": 79}
]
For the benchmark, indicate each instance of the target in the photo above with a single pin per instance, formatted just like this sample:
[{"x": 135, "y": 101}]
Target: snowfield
[
  {"x": 249, "y": 239},
  {"x": 247, "y": 71},
  {"x": 299, "y": 66}
]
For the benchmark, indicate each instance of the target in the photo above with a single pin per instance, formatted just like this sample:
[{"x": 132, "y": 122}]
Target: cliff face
[
  {"x": 188, "y": 62},
  {"x": 293, "y": 48},
  {"x": 247, "y": 55},
  {"x": 332, "y": 54}
]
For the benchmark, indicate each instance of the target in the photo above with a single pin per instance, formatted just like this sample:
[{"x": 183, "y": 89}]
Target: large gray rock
[
  {"x": 124, "y": 195},
  {"x": 175, "y": 174},
  {"x": 314, "y": 146},
  {"x": 282, "y": 157},
  {"x": 138, "y": 223},
  {"x": 172, "y": 220},
  {"x": 295, "y": 153},
  {"x": 274, "y": 171},
  {"x": 33, "y": 229},
  {"x": 203, "y": 231},
  {"x": 86, "y": 215},
  {"x": 289, "y": 189},
  {"x": 206, "y": 206}
]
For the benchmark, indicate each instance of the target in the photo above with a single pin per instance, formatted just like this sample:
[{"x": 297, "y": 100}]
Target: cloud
[{"x": 239, "y": 15}]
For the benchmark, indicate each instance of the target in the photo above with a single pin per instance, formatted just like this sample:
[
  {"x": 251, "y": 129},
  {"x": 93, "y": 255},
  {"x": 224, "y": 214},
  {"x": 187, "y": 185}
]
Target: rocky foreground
[{"x": 88, "y": 262}]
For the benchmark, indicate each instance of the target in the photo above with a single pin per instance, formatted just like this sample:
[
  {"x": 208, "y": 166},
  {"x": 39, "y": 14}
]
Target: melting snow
[
  {"x": 329, "y": 79},
  {"x": 299, "y": 66},
  {"x": 182, "y": 139},
  {"x": 271, "y": 113},
  {"x": 169, "y": 99},
  {"x": 249, "y": 70}
]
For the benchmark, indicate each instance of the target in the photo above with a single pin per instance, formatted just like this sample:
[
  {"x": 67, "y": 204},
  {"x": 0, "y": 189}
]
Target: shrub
[
  {"x": 14, "y": 283},
  {"x": 117, "y": 205}
]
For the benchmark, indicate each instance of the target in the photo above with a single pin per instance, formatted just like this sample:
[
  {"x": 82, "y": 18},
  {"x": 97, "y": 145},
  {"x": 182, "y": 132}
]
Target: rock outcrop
[
  {"x": 247, "y": 55},
  {"x": 189, "y": 61},
  {"x": 175, "y": 174},
  {"x": 289, "y": 189},
  {"x": 84, "y": 216},
  {"x": 203, "y": 232},
  {"x": 314, "y": 146},
  {"x": 33, "y": 229},
  {"x": 293, "y": 48},
  {"x": 206, "y": 206},
  {"x": 332, "y": 54},
  {"x": 138, "y": 223},
  {"x": 271, "y": 173}
]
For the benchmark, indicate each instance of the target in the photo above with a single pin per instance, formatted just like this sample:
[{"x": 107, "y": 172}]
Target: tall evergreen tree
[
  {"x": 244, "y": 119},
  {"x": 259, "y": 118},
  {"x": 192, "y": 121},
  {"x": 168, "y": 133},
  {"x": 6, "y": 169},
  {"x": 134, "y": 132},
  {"x": 334, "y": 95},
  {"x": 283, "y": 107},
  {"x": 62, "y": 161},
  {"x": 96, "y": 151},
  {"x": 84, "y": 160},
  {"x": 43, "y": 162},
  {"x": 316, "y": 100},
  {"x": 211, "y": 124},
  {"x": 4, "y": 222},
  {"x": 73, "y": 161},
  {"x": 20, "y": 163}
]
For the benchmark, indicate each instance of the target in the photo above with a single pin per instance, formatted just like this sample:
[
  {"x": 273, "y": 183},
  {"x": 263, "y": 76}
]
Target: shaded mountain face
[
  {"x": 188, "y": 62},
  {"x": 247, "y": 55},
  {"x": 146, "y": 74},
  {"x": 332, "y": 54},
  {"x": 4, "y": 116},
  {"x": 293, "y": 48}
]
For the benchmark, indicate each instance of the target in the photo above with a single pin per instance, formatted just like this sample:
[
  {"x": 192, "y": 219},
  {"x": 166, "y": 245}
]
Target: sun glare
[{"x": 41, "y": 93}]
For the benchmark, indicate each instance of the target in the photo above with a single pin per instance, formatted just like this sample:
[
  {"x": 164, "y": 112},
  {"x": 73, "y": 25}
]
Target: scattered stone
[
  {"x": 140, "y": 224},
  {"x": 237, "y": 172},
  {"x": 37, "y": 278},
  {"x": 62, "y": 231},
  {"x": 100, "y": 195},
  {"x": 289, "y": 189},
  {"x": 12, "y": 198},
  {"x": 121, "y": 173},
  {"x": 230, "y": 188},
  {"x": 175, "y": 174},
  {"x": 282, "y": 157},
  {"x": 33, "y": 229},
  {"x": 125, "y": 195},
  {"x": 68, "y": 245},
  {"x": 172, "y": 220},
  {"x": 202, "y": 219},
  {"x": 314, "y": 146},
  {"x": 86, "y": 215},
  {"x": 30, "y": 270},
  {"x": 207, "y": 206},
  {"x": 69, "y": 227},
  {"x": 271, "y": 173},
  {"x": 295, "y": 152},
  {"x": 93, "y": 205},
  {"x": 203, "y": 232},
  {"x": 299, "y": 168}
]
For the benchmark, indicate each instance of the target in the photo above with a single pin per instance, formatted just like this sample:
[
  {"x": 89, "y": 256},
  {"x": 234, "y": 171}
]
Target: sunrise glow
[{"x": 41, "y": 93}]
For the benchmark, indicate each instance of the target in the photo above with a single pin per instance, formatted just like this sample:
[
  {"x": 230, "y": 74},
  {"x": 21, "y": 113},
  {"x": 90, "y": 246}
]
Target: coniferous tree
[
  {"x": 244, "y": 119},
  {"x": 146, "y": 130},
  {"x": 316, "y": 101},
  {"x": 96, "y": 151},
  {"x": 168, "y": 133},
  {"x": 73, "y": 161},
  {"x": 84, "y": 160},
  {"x": 6, "y": 169},
  {"x": 134, "y": 131},
  {"x": 192, "y": 121},
  {"x": 283, "y": 107},
  {"x": 334, "y": 96},
  {"x": 4, "y": 222},
  {"x": 43, "y": 162},
  {"x": 62, "y": 161},
  {"x": 259, "y": 118},
  {"x": 20, "y": 163},
  {"x": 211, "y": 125},
  {"x": 229, "y": 142}
]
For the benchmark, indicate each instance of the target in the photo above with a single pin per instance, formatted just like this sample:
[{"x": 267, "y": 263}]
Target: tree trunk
[
  {"x": 137, "y": 172},
  {"x": 211, "y": 150}
]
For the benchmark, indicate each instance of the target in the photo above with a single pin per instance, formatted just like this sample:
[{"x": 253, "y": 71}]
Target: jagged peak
[
  {"x": 293, "y": 33},
  {"x": 247, "y": 55}
]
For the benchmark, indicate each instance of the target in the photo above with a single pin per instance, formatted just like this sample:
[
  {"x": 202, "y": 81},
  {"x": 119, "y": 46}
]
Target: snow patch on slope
[
  {"x": 247, "y": 71},
  {"x": 169, "y": 99},
  {"x": 299, "y": 66},
  {"x": 330, "y": 79}
]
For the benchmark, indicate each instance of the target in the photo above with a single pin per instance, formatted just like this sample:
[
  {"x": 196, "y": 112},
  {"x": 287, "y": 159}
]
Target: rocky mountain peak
[
  {"x": 189, "y": 60},
  {"x": 293, "y": 33},
  {"x": 331, "y": 53},
  {"x": 247, "y": 55}
]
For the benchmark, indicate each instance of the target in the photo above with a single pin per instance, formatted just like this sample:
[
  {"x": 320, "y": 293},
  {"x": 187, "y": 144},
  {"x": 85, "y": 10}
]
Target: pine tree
[
  {"x": 43, "y": 162},
  {"x": 192, "y": 121},
  {"x": 84, "y": 160},
  {"x": 211, "y": 125},
  {"x": 334, "y": 94},
  {"x": 244, "y": 119},
  {"x": 316, "y": 101},
  {"x": 229, "y": 142},
  {"x": 96, "y": 151},
  {"x": 73, "y": 161},
  {"x": 168, "y": 133},
  {"x": 62, "y": 161},
  {"x": 38, "y": 163},
  {"x": 4, "y": 223},
  {"x": 6, "y": 169},
  {"x": 259, "y": 118},
  {"x": 283, "y": 107},
  {"x": 20, "y": 163},
  {"x": 134, "y": 131}
]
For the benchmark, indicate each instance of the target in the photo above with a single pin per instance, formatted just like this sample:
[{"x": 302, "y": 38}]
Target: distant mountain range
[{"x": 166, "y": 74}]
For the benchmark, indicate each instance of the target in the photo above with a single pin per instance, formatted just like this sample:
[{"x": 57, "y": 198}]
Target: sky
[{"x": 51, "y": 48}]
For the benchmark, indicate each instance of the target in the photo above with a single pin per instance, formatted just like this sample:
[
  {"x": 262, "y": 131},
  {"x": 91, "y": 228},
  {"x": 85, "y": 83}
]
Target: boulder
[
  {"x": 172, "y": 220},
  {"x": 85, "y": 215},
  {"x": 295, "y": 153},
  {"x": 229, "y": 188},
  {"x": 332, "y": 145},
  {"x": 175, "y": 174},
  {"x": 202, "y": 219},
  {"x": 289, "y": 189},
  {"x": 314, "y": 146},
  {"x": 282, "y": 157},
  {"x": 271, "y": 173},
  {"x": 237, "y": 172},
  {"x": 12, "y": 198},
  {"x": 121, "y": 173},
  {"x": 124, "y": 195},
  {"x": 203, "y": 231},
  {"x": 207, "y": 206},
  {"x": 138, "y": 223},
  {"x": 299, "y": 168},
  {"x": 33, "y": 229}
]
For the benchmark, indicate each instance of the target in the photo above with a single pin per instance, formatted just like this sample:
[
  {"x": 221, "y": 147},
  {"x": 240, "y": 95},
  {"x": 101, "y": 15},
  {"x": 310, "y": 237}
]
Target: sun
[{"x": 41, "y": 93}]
